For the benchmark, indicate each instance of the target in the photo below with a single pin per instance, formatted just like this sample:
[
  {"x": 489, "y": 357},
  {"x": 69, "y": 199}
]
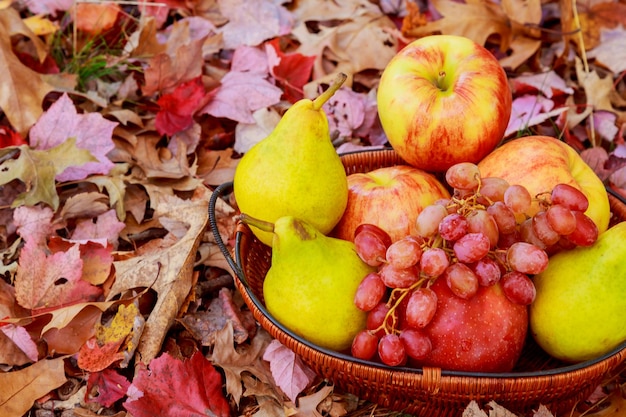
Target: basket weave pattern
[{"x": 428, "y": 392}]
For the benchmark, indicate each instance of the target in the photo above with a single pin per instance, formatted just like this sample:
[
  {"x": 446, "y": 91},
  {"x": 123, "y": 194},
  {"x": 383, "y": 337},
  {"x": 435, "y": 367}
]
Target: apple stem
[
  {"x": 259, "y": 224},
  {"x": 323, "y": 98},
  {"x": 440, "y": 79}
]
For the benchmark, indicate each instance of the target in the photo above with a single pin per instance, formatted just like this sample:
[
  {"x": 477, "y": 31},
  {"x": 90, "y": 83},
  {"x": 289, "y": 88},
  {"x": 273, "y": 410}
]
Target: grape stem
[{"x": 396, "y": 302}]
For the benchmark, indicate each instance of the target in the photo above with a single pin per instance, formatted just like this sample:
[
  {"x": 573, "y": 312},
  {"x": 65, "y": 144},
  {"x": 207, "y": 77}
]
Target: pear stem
[
  {"x": 323, "y": 98},
  {"x": 259, "y": 224}
]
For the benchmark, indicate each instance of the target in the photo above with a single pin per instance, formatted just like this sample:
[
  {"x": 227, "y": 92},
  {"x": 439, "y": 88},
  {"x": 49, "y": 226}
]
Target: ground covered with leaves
[{"x": 117, "y": 121}]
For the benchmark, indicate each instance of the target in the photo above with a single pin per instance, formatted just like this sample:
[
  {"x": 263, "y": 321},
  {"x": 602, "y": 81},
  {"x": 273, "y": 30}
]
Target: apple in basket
[
  {"x": 539, "y": 163},
  {"x": 390, "y": 198},
  {"x": 443, "y": 99}
]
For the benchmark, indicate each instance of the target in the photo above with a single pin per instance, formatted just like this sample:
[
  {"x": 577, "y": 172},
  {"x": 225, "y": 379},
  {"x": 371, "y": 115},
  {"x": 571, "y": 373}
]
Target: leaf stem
[{"x": 323, "y": 98}]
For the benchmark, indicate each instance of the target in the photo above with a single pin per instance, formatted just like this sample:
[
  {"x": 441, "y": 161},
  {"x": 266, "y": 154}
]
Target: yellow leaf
[
  {"x": 38, "y": 169},
  {"x": 41, "y": 25},
  {"x": 120, "y": 327}
]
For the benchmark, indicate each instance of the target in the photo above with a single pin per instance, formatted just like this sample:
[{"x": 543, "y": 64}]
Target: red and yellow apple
[
  {"x": 541, "y": 162},
  {"x": 389, "y": 197},
  {"x": 443, "y": 99}
]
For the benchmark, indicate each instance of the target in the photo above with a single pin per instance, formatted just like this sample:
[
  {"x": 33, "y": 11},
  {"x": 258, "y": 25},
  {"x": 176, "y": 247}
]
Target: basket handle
[{"x": 221, "y": 190}]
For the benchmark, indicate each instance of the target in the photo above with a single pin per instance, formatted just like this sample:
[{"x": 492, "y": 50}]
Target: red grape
[
  {"x": 364, "y": 345},
  {"x": 404, "y": 252},
  {"x": 543, "y": 230},
  {"x": 428, "y": 219},
  {"x": 372, "y": 228},
  {"x": 421, "y": 307},
  {"x": 370, "y": 248},
  {"x": 399, "y": 277},
  {"x": 518, "y": 288},
  {"x": 586, "y": 231},
  {"x": 526, "y": 258},
  {"x": 416, "y": 343},
  {"x": 487, "y": 271},
  {"x": 376, "y": 318},
  {"x": 480, "y": 221},
  {"x": 461, "y": 280},
  {"x": 503, "y": 216},
  {"x": 492, "y": 189},
  {"x": 434, "y": 261},
  {"x": 570, "y": 197},
  {"x": 453, "y": 226},
  {"x": 517, "y": 198},
  {"x": 463, "y": 176},
  {"x": 370, "y": 292},
  {"x": 471, "y": 247},
  {"x": 561, "y": 219},
  {"x": 391, "y": 350}
]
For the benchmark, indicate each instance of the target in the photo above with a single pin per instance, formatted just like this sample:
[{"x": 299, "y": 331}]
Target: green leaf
[{"x": 38, "y": 169}]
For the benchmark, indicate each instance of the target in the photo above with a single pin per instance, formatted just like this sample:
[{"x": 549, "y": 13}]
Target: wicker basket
[{"x": 428, "y": 392}]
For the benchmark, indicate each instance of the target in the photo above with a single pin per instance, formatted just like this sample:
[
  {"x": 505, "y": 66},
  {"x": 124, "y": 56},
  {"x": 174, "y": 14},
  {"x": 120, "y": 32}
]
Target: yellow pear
[
  {"x": 578, "y": 313},
  {"x": 311, "y": 283},
  {"x": 295, "y": 170}
]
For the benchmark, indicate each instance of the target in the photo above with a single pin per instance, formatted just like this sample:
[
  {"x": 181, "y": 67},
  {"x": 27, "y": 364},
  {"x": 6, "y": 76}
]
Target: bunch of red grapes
[{"x": 480, "y": 236}]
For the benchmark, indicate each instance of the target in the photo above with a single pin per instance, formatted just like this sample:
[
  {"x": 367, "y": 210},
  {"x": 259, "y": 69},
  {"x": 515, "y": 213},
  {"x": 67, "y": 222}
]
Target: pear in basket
[
  {"x": 578, "y": 313},
  {"x": 311, "y": 283},
  {"x": 295, "y": 170}
]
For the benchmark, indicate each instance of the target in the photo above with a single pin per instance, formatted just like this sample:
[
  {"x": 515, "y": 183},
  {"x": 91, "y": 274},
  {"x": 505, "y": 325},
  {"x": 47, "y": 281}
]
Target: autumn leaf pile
[{"x": 117, "y": 120}]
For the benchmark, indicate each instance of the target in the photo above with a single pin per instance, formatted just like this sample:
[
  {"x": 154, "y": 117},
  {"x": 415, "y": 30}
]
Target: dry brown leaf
[
  {"x": 235, "y": 361},
  {"x": 169, "y": 272},
  {"x": 597, "y": 90},
  {"x": 602, "y": 15},
  {"x": 364, "y": 41},
  {"x": 20, "y": 389},
  {"x": 22, "y": 90},
  {"x": 307, "y": 406}
]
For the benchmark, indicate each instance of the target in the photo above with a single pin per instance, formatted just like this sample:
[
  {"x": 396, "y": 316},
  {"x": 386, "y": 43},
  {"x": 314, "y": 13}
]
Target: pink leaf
[
  {"x": 177, "y": 389},
  {"x": 288, "y": 370},
  {"x": 34, "y": 223},
  {"x": 250, "y": 22},
  {"x": 48, "y": 6},
  {"x": 240, "y": 94},
  {"x": 92, "y": 132},
  {"x": 45, "y": 281},
  {"x": 106, "y": 226},
  {"x": 549, "y": 83},
  {"x": 109, "y": 386},
  {"x": 530, "y": 110},
  {"x": 249, "y": 59},
  {"x": 19, "y": 335}
]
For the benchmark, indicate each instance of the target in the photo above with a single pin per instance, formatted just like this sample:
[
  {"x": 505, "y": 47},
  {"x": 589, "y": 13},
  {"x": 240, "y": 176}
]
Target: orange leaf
[{"x": 95, "y": 18}]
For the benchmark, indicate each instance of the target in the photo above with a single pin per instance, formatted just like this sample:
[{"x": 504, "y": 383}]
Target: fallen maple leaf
[
  {"x": 290, "y": 373},
  {"x": 611, "y": 53},
  {"x": 91, "y": 131},
  {"x": 239, "y": 95},
  {"x": 38, "y": 170},
  {"x": 21, "y": 388},
  {"x": 233, "y": 361},
  {"x": 106, "y": 387},
  {"x": 48, "y": 6},
  {"x": 46, "y": 281},
  {"x": 250, "y": 22},
  {"x": 292, "y": 71},
  {"x": 176, "y": 109},
  {"x": 307, "y": 406},
  {"x": 549, "y": 83},
  {"x": 531, "y": 110},
  {"x": 176, "y": 388},
  {"x": 105, "y": 226},
  {"x": 34, "y": 223}
]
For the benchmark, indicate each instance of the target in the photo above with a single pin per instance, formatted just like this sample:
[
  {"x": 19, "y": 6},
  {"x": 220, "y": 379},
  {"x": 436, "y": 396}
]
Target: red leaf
[
  {"x": 106, "y": 387},
  {"x": 175, "y": 388},
  {"x": 292, "y": 71},
  {"x": 177, "y": 108},
  {"x": 8, "y": 137},
  {"x": 94, "y": 358}
]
